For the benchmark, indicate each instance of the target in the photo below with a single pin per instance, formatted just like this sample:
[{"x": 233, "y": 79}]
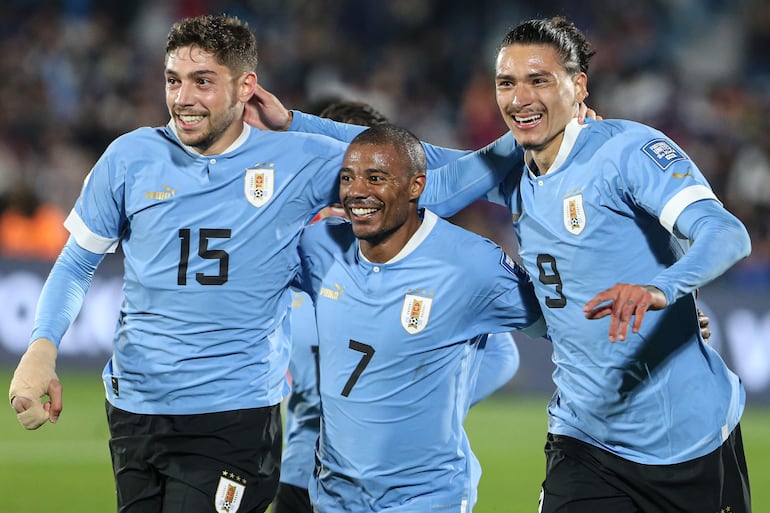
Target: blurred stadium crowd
[{"x": 74, "y": 74}]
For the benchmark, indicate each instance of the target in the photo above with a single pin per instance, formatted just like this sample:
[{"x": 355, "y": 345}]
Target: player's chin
[{"x": 364, "y": 229}]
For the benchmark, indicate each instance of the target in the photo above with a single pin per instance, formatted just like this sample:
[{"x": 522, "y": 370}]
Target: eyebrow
[
  {"x": 193, "y": 74},
  {"x": 534, "y": 74}
]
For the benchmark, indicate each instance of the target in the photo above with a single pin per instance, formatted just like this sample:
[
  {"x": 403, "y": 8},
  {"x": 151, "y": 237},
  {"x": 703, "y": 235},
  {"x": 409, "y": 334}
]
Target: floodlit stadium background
[{"x": 74, "y": 74}]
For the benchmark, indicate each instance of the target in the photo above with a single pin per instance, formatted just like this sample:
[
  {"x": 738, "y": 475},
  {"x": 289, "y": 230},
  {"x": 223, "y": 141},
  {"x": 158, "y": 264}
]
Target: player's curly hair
[
  {"x": 569, "y": 41},
  {"x": 227, "y": 37}
]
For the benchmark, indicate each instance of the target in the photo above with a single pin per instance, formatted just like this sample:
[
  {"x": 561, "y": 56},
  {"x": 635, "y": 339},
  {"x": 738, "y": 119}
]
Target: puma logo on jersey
[
  {"x": 167, "y": 193},
  {"x": 333, "y": 294}
]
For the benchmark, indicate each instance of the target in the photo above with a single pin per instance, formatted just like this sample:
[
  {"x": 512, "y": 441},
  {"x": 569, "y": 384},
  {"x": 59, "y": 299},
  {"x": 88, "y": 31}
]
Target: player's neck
[
  {"x": 541, "y": 159},
  {"x": 538, "y": 163}
]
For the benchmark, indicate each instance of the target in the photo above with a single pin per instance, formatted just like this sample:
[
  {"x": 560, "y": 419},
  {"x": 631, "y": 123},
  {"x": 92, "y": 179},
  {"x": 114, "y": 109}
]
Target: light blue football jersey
[
  {"x": 398, "y": 353},
  {"x": 209, "y": 247},
  {"x": 308, "y": 123},
  {"x": 604, "y": 214},
  {"x": 303, "y": 409},
  {"x": 499, "y": 363},
  {"x": 464, "y": 176}
]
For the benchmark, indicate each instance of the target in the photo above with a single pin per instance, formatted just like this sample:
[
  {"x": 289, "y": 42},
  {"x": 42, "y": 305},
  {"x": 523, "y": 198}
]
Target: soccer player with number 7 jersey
[{"x": 404, "y": 301}]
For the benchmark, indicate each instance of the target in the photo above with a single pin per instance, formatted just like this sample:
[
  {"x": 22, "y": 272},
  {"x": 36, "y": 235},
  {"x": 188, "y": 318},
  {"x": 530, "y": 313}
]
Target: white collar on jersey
[
  {"x": 571, "y": 132},
  {"x": 429, "y": 220},
  {"x": 236, "y": 143}
]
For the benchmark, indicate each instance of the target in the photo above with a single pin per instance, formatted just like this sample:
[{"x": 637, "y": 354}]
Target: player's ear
[
  {"x": 581, "y": 87},
  {"x": 247, "y": 84},
  {"x": 417, "y": 185}
]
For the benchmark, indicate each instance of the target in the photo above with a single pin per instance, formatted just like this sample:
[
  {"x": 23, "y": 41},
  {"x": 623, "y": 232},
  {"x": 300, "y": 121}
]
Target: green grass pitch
[{"x": 65, "y": 468}]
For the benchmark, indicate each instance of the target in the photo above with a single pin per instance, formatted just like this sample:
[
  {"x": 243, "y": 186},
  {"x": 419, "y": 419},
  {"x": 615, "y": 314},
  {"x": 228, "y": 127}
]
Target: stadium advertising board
[{"x": 740, "y": 325}]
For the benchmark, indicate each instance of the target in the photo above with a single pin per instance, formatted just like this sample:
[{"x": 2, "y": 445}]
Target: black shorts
[
  {"x": 224, "y": 462},
  {"x": 291, "y": 499},
  {"x": 582, "y": 478}
]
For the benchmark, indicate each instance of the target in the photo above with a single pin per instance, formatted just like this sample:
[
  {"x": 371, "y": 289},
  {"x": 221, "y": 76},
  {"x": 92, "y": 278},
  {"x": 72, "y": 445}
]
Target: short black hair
[
  {"x": 353, "y": 112},
  {"x": 227, "y": 37},
  {"x": 400, "y": 138}
]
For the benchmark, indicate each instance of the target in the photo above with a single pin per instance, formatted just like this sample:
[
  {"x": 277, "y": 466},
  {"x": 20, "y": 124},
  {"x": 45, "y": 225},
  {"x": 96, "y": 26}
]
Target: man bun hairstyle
[{"x": 558, "y": 32}]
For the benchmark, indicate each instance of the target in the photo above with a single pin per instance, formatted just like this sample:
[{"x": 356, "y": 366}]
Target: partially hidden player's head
[
  {"x": 210, "y": 74},
  {"x": 540, "y": 79},
  {"x": 382, "y": 177},
  {"x": 353, "y": 112}
]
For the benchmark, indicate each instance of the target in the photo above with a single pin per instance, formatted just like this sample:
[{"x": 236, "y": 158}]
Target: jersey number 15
[{"x": 204, "y": 234}]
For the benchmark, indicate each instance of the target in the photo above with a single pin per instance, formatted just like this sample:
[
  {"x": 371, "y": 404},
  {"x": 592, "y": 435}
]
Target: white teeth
[
  {"x": 527, "y": 119},
  {"x": 190, "y": 119},
  {"x": 363, "y": 211}
]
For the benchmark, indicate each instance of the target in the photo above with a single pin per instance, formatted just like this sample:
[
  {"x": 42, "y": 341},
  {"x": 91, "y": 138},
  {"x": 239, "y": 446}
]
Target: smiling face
[
  {"x": 379, "y": 191},
  {"x": 204, "y": 99},
  {"x": 537, "y": 96}
]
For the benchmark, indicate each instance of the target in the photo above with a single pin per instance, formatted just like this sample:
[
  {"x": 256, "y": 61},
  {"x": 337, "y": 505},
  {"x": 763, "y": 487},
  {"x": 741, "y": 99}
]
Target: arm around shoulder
[{"x": 457, "y": 184}]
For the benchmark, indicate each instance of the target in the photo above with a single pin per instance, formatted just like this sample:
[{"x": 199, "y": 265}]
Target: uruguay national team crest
[
  {"x": 229, "y": 495},
  {"x": 415, "y": 313},
  {"x": 258, "y": 185},
  {"x": 574, "y": 214}
]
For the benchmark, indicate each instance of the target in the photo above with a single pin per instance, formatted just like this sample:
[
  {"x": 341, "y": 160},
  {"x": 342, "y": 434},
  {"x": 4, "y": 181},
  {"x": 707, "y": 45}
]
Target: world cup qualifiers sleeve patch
[
  {"x": 662, "y": 153},
  {"x": 510, "y": 265}
]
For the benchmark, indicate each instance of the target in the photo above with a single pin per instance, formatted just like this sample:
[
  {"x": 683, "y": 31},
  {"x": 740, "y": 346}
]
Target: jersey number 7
[{"x": 368, "y": 353}]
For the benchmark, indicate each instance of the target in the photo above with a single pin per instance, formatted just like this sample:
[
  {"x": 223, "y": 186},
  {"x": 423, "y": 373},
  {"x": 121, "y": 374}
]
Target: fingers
[
  {"x": 623, "y": 313},
  {"x": 265, "y": 111},
  {"x": 33, "y": 379},
  {"x": 591, "y": 114},
  {"x": 260, "y": 93},
  {"x": 595, "y": 309},
  {"x": 582, "y": 109},
  {"x": 31, "y": 414},
  {"x": 21, "y": 404},
  {"x": 624, "y": 302},
  {"x": 55, "y": 405},
  {"x": 703, "y": 324},
  {"x": 34, "y": 413},
  {"x": 703, "y": 320},
  {"x": 586, "y": 112}
]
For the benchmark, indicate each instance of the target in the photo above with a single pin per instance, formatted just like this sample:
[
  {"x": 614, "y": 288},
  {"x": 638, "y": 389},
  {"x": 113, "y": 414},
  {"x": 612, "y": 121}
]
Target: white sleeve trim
[
  {"x": 86, "y": 238},
  {"x": 682, "y": 200}
]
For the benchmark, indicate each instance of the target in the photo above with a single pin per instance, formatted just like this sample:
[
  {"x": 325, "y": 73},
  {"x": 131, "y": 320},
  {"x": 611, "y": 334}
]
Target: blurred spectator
[
  {"x": 77, "y": 74},
  {"x": 30, "y": 229}
]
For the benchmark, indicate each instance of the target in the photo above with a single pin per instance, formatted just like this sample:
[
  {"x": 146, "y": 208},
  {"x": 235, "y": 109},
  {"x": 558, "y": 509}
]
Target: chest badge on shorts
[
  {"x": 258, "y": 185},
  {"x": 574, "y": 214},
  {"x": 415, "y": 313},
  {"x": 229, "y": 493}
]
